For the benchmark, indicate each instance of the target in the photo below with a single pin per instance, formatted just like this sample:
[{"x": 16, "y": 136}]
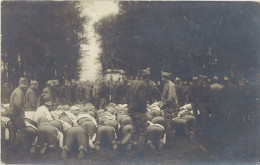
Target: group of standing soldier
[{"x": 213, "y": 103}]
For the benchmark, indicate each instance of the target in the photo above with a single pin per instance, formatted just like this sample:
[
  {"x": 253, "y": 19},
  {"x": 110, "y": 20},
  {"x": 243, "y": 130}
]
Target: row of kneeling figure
[{"x": 89, "y": 130}]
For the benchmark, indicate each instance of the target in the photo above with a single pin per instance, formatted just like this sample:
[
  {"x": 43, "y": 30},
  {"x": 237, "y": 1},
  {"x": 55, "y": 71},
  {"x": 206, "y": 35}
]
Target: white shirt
[{"x": 42, "y": 111}]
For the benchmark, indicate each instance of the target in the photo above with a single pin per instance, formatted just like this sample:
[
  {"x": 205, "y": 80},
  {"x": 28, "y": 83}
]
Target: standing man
[
  {"x": 46, "y": 92},
  {"x": 111, "y": 87},
  {"x": 16, "y": 114},
  {"x": 169, "y": 103},
  {"x": 97, "y": 89},
  {"x": 88, "y": 92},
  {"x": 31, "y": 96},
  {"x": 118, "y": 91},
  {"x": 136, "y": 100}
]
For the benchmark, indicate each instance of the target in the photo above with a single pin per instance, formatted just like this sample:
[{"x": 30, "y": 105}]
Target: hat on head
[
  {"x": 23, "y": 81},
  {"x": 203, "y": 77},
  {"x": 177, "y": 79},
  {"x": 195, "y": 78},
  {"x": 33, "y": 82},
  {"x": 226, "y": 78},
  {"x": 165, "y": 74},
  {"x": 145, "y": 72},
  {"x": 49, "y": 82},
  {"x": 215, "y": 79}
]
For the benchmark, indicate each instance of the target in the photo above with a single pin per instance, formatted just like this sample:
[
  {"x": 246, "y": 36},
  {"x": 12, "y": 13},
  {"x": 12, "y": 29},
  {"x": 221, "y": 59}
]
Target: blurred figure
[
  {"x": 31, "y": 96},
  {"x": 46, "y": 92},
  {"x": 73, "y": 87},
  {"x": 97, "y": 93},
  {"x": 179, "y": 91},
  {"x": 169, "y": 103},
  {"x": 136, "y": 100},
  {"x": 111, "y": 87},
  {"x": 79, "y": 94},
  {"x": 56, "y": 93},
  {"x": 5, "y": 94},
  {"x": 17, "y": 113},
  {"x": 104, "y": 96},
  {"x": 186, "y": 91},
  {"x": 118, "y": 91},
  {"x": 88, "y": 92}
]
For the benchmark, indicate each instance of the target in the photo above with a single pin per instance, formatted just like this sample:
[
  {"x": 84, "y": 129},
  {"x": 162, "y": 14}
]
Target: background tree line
[
  {"x": 41, "y": 40},
  {"x": 185, "y": 38}
]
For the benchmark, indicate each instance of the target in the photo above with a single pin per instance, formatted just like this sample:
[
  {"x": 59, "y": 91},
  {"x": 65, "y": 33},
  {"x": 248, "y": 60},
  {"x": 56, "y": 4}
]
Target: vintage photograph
[{"x": 130, "y": 82}]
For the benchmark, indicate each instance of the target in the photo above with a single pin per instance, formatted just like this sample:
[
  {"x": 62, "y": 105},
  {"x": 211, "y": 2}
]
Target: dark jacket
[
  {"x": 31, "y": 99},
  {"x": 136, "y": 97},
  {"x": 17, "y": 103}
]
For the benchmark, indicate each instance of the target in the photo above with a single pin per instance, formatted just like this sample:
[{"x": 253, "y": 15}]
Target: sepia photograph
[{"x": 130, "y": 82}]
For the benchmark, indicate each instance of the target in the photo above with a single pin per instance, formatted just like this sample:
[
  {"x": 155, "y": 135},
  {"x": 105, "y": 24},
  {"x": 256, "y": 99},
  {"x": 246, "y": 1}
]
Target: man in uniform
[
  {"x": 31, "y": 96},
  {"x": 88, "y": 92},
  {"x": 16, "y": 114},
  {"x": 136, "y": 99},
  {"x": 46, "y": 92},
  {"x": 169, "y": 103}
]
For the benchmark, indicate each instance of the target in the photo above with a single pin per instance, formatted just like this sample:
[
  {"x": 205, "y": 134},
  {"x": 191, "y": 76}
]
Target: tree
[
  {"x": 185, "y": 38},
  {"x": 41, "y": 39}
]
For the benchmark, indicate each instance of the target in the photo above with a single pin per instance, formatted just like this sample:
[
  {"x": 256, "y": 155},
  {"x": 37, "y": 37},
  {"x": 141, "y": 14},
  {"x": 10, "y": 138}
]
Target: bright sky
[{"x": 95, "y": 10}]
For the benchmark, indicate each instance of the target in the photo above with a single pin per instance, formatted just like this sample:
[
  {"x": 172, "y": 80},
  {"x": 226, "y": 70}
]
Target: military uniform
[
  {"x": 31, "y": 97},
  {"x": 136, "y": 99},
  {"x": 17, "y": 113}
]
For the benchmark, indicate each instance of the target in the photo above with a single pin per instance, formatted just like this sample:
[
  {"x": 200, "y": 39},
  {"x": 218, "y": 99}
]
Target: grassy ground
[{"x": 238, "y": 150}]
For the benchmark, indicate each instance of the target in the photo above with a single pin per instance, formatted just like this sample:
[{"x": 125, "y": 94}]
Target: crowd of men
[{"x": 89, "y": 111}]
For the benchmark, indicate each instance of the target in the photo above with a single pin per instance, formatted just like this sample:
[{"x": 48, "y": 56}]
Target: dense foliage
[
  {"x": 41, "y": 40},
  {"x": 185, "y": 38}
]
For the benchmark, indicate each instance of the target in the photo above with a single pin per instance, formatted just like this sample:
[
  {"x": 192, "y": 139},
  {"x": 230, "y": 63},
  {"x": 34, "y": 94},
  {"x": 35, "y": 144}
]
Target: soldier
[
  {"x": 66, "y": 94},
  {"x": 46, "y": 92},
  {"x": 104, "y": 96},
  {"x": 179, "y": 92},
  {"x": 5, "y": 94},
  {"x": 186, "y": 91},
  {"x": 31, "y": 96},
  {"x": 169, "y": 104},
  {"x": 194, "y": 95},
  {"x": 111, "y": 87},
  {"x": 215, "y": 95},
  {"x": 55, "y": 93},
  {"x": 228, "y": 102},
  {"x": 136, "y": 99},
  {"x": 204, "y": 102},
  {"x": 88, "y": 92},
  {"x": 118, "y": 91},
  {"x": 72, "y": 92},
  {"x": 79, "y": 94},
  {"x": 97, "y": 93},
  {"x": 16, "y": 113},
  {"x": 154, "y": 93}
]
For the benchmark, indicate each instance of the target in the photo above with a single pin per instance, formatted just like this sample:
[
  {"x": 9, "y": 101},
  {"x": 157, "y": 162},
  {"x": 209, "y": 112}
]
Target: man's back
[
  {"x": 17, "y": 102},
  {"x": 136, "y": 97},
  {"x": 31, "y": 99}
]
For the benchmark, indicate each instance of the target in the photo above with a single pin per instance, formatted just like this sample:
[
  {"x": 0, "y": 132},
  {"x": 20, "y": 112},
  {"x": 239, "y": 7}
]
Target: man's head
[
  {"x": 177, "y": 81},
  {"x": 166, "y": 76},
  {"x": 23, "y": 83},
  {"x": 49, "y": 83},
  {"x": 145, "y": 74},
  {"x": 34, "y": 84},
  {"x": 226, "y": 81},
  {"x": 195, "y": 80},
  {"x": 215, "y": 79}
]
